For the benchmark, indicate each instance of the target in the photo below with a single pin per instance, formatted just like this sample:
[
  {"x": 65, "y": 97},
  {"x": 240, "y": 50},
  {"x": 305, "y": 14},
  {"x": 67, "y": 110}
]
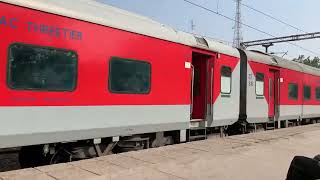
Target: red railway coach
[
  {"x": 279, "y": 90},
  {"x": 95, "y": 77},
  {"x": 85, "y": 80}
]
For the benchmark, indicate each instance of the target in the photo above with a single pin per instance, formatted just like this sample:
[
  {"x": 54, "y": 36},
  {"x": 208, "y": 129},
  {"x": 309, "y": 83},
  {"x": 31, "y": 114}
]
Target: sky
[{"x": 179, "y": 14}]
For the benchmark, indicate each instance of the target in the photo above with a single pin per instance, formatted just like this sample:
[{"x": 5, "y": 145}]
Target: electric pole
[
  {"x": 193, "y": 26},
  {"x": 237, "y": 39}
]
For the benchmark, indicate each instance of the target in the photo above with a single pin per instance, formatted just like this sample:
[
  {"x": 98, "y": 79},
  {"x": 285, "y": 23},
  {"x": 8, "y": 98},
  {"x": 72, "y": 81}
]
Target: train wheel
[{"x": 61, "y": 156}]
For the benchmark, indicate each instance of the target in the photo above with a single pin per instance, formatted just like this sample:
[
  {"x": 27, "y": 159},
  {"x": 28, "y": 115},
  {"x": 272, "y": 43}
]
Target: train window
[
  {"x": 307, "y": 92},
  {"x": 259, "y": 84},
  {"x": 318, "y": 93},
  {"x": 128, "y": 76},
  {"x": 41, "y": 68},
  {"x": 293, "y": 91},
  {"x": 226, "y": 80}
]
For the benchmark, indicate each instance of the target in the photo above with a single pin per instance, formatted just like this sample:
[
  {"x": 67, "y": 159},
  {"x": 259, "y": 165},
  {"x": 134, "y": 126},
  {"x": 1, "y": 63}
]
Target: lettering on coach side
[
  {"x": 9, "y": 22},
  {"x": 50, "y": 30},
  {"x": 54, "y": 31}
]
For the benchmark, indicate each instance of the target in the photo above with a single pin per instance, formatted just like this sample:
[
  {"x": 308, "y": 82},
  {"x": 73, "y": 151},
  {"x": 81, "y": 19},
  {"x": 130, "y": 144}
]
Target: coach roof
[
  {"x": 263, "y": 58},
  {"x": 102, "y": 14},
  {"x": 310, "y": 70},
  {"x": 297, "y": 66},
  {"x": 260, "y": 57}
]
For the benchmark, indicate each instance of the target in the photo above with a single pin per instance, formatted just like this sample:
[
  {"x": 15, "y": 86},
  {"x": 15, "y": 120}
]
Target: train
[{"x": 81, "y": 79}]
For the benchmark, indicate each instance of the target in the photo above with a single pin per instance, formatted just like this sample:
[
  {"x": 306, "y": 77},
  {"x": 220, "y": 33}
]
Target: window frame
[
  {"x": 8, "y": 74},
  {"x": 259, "y": 95},
  {"x": 226, "y": 93},
  {"x": 304, "y": 87},
  {"x": 113, "y": 58},
  {"x": 293, "y": 98},
  {"x": 316, "y": 97}
]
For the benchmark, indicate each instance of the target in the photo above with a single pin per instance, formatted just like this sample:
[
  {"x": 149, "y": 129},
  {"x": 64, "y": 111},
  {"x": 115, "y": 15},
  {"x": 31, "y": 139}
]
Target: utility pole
[
  {"x": 237, "y": 38},
  {"x": 193, "y": 26}
]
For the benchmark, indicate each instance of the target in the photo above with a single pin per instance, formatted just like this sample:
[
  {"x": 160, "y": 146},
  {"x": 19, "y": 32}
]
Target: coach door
[
  {"x": 273, "y": 94},
  {"x": 202, "y": 87}
]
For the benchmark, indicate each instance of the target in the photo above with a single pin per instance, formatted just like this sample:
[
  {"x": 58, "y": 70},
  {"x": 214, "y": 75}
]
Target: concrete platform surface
[{"x": 263, "y": 156}]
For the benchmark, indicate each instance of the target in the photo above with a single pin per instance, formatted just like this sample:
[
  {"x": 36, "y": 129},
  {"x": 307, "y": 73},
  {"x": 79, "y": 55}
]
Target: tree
[{"x": 314, "y": 62}]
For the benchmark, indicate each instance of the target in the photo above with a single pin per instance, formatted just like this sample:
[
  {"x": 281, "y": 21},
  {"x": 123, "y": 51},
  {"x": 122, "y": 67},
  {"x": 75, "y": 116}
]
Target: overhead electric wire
[
  {"x": 249, "y": 26},
  {"x": 217, "y": 13},
  {"x": 272, "y": 17},
  {"x": 280, "y": 21}
]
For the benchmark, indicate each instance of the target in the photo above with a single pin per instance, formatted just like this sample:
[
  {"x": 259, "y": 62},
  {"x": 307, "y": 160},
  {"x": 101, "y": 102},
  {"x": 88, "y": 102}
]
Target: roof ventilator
[
  {"x": 201, "y": 42},
  {"x": 275, "y": 60}
]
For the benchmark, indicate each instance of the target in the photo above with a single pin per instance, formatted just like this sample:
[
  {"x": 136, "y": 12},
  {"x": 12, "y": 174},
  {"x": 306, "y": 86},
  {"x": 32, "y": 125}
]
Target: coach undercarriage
[{"x": 37, "y": 155}]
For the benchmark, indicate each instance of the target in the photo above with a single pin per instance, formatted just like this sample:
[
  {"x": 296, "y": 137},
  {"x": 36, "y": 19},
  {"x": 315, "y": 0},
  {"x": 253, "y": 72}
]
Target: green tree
[{"x": 314, "y": 62}]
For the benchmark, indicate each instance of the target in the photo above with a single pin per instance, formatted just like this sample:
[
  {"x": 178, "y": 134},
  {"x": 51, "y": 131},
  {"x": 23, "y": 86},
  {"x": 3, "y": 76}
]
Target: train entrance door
[
  {"x": 273, "y": 94},
  {"x": 202, "y": 87}
]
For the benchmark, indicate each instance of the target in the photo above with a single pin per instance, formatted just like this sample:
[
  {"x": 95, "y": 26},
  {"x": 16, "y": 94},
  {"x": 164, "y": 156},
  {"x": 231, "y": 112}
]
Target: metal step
[
  {"x": 291, "y": 124},
  {"x": 198, "y": 137},
  {"x": 197, "y": 133},
  {"x": 271, "y": 125},
  {"x": 270, "y": 128},
  {"x": 197, "y": 123},
  {"x": 197, "y": 128},
  {"x": 196, "y": 120}
]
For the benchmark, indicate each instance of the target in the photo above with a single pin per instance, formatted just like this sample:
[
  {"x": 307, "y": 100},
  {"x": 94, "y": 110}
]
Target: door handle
[
  {"x": 211, "y": 91},
  {"x": 192, "y": 85}
]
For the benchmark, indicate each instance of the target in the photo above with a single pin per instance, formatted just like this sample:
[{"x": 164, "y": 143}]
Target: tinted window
[
  {"x": 307, "y": 92},
  {"x": 318, "y": 93},
  {"x": 41, "y": 68},
  {"x": 293, "y": 91},
  {"x": 260, "y": 84},
  {"x": 225, "y": 80},
  {"x": 129, "y": 76}
]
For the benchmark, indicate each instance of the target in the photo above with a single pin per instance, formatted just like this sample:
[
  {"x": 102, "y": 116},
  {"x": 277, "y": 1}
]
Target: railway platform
[{"x": 263, "y": 155}]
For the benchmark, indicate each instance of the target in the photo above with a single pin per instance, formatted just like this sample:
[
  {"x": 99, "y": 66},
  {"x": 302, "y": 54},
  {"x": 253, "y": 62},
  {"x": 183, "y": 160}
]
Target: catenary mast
[{"x": 237, "y": 39}]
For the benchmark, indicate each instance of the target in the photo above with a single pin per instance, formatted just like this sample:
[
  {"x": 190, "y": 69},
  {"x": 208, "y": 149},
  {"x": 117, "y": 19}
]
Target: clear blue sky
[{"x": 178, "y": 14}]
